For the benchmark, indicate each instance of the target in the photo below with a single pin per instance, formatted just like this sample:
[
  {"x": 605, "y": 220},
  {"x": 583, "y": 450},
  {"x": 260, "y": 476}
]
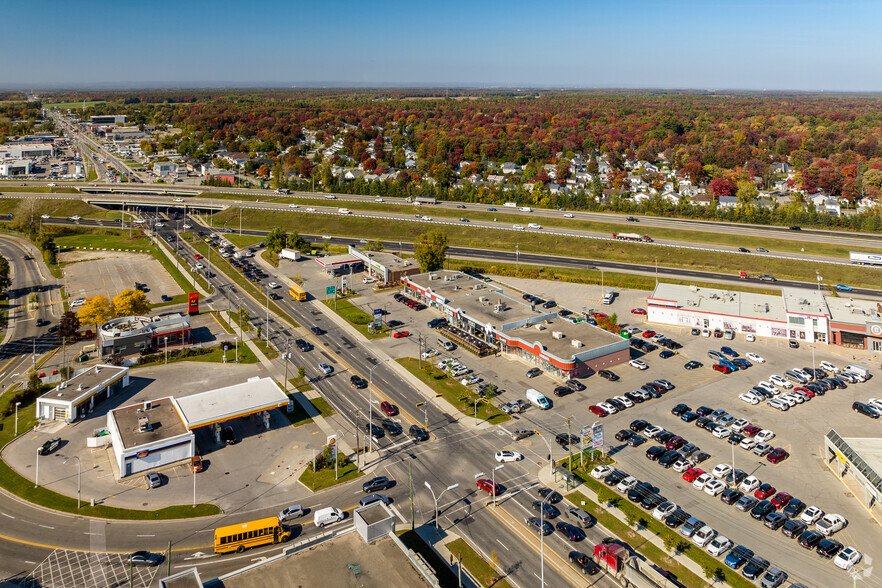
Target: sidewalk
[{"x": 546, "y": 478}]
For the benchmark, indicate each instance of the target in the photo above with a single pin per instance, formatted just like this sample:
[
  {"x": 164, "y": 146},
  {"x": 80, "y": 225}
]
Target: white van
[
  {"x": 526, "y": 209},
  {"x": 538, "y": 399},
  {"x": 327, "y": 516},
  {"x": 857, "y": 370},
  {"x": 608, "y": 298}
]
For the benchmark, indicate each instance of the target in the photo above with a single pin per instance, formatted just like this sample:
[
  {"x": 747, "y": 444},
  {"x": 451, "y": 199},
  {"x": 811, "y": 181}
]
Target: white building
[
  {"x": 15, "y": 167},
  {"x": 78, "y": 396}
]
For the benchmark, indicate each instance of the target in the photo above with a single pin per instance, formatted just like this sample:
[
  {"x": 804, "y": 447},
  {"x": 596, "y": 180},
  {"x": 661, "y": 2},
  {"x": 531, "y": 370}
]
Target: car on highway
[
  {"x": 418, "y": 433},
  {"x": 325, "y": 368},
  {"x": 543, "y": 527},
  {"x": 843, "y": 288},
  {"x": 583, "y": 562},
  {"x": 506, "y": 456},
  {"x": 389, "y": 408},
  {"x": 291, "y": 512},
  {"x": 489, "y": 486},
  {"x": 571, "y": 532},
  {"x": 375, "y": 484},
  {"x": 145, "y": 559}
]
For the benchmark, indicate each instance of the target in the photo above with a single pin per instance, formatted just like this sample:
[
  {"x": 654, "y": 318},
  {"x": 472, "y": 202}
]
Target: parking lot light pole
[
  {"x": 429, "y": 486},
  {"x": 371, "y": 405},
  {"x": 267, "y": 316},
  {"x": 165, "y": 339},
  {"x": 79, "y": 476},
  {"x": 17, "y": 404}
]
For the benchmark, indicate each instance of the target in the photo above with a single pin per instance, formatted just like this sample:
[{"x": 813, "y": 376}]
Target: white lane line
[
  {"x": 145, "y": 535},
  {"x": 84, "y": 533},
  {"x": 33, "y": 563},
  {"x": 7, "y": 515},
  {"x": 503, "y": 545},
  {"x": 47, "y": 527}
]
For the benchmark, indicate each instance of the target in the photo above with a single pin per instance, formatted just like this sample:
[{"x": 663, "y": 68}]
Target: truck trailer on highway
[
  {"x": 864, "y": 258},
  {"x": 632, "y": 237},
  {"x": 630, "y": 571}
]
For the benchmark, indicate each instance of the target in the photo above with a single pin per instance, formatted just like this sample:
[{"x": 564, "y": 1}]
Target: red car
[
  {"x": 722, "y": 368},
  {"x": 764, "y": 491},
  {"x": 692, "y": 473},
  {"x": 750, "y": 430},
  {"x": 781, "y": 499},
  {"x": 600, "y": 314},
  {"x": 488, "y": 486},
  {"x": 400, "y": 334},
  {"x": 777, "y": 455},
  {"x": 599, "y": 411},
  {"x": 805, "y": 391},
  {"x": 42, "y": 375},
  {"x": 638, "y": 311},
  {"x": 648, "y": 334},
  {"x": 389, "y": 408},
  {"x": 197, "y": 256},
  {"x": 675, "y": 442}
]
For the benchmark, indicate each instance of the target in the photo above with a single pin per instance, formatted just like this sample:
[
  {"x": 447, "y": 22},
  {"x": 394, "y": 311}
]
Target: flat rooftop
[
  {"x": 381, "y": 565},
  {"x": 374, "y": 513},
  {"x": 85, "y": 382},
  {"x": 804, "y": 301},
  {"x": 223, "y": 404},
  {"x": 389, "y": 260},
  {"x": 852, "y": 311},
  {"x": 717, "y": 301},
  {"x": 562, "y": 347},
  {"x": 164, "y": 419},
  {"x": 332, "y": 260}
]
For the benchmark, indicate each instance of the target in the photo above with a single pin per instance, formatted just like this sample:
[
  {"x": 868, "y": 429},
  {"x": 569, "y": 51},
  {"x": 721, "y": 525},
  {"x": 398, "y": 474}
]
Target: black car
[
  {"x": 145, "y": 558},
  {"x": 664, "y": 437},
  {"x": 275, "y": 296},
  {"x": 636, "y": 440},
  {"x": 607, "y": 375},
  {"x": 374, "y": 430},
  {"x": 393, "y": 324},
  {"x": 543, "y": 527},
  {"x": 228, "y": 436},
  {"x": 735, "y": 439},
  {"x": 794, "y": 508},
  {"x": 418, "y": 433},
  {"x": 392, "y": 427},
  {"x": 376, "y": 484},
  {"x": 689, "y": 449},
  {"x": 677, "y": 518},
  {"x": 575, "y": 385},
  {"x": 638, "y": 425},
  {"x": 303, "y": 345},
  {"x": 828, "y": 548},
  {"x": 620, "y": 406},
  {"x": 809, "y": 539},
  {"x": 549, "y": 304},
  {"x": 634, "y": 397},
  {"x": 762, "y": 508},
  {"x": 49, "y": 446},
  {"x": 693, "y": 365},
  {"x": 775, "y": 520},
  {"x": 655, "y": 452},
  {"x": 641, "y": 491},
  {"x": 703, "y": 410},
  {"x": 795, "y": 228},
  {"x": 680, "y": 409},
  {"x": 584, "y": 563},
  {"x": 614, "y": 477},
  {"x": 571, "y": 532},
  {"x": 865, "y": 409},
  {"x": 755, "y": 568},
  {"x": 731, "y": 495},
  {"x": 793, "y": 528},
  {"x": 562, "y": 390},
  {"x": 564, "y": 439},
  {"x": 555, "y": 496},
  {"x": 546, "y": 510},
  {"x": 700, "y": 457},
  {"x": 358, "y": 382},
  {"x": 669, "y": 458},
  {"x": 651, "y": 501},
  {"x": 735, "y": 477}
]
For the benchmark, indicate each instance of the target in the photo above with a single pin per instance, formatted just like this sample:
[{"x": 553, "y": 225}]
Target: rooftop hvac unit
[
  {"x": 97, "y": 369},
  {"x": 80, "y": 388},
  {"x": 147, "y": 405},
  {"x": 557, "y": 334},
  {"x": 693, "y": 287},
  {"x": 539, "y": 327},
  {"x": 456, "y": 287},
  {"x": 144, "y": 424},
  {"x": 498, "y": 308},
  {"x": 433, "y": 276},
  {"x": 576, "y": 343},
  {"x": 482, "y": 299},
  {"x": 803, "y": 301}
]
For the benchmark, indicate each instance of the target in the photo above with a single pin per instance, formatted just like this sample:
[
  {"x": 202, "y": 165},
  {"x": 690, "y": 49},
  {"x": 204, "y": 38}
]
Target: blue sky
[{"x": 778, "y": 44}]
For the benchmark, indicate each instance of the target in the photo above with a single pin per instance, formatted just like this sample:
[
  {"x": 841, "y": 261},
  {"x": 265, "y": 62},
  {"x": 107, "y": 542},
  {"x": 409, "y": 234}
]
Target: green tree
[
  {"x": 5, "y": 280},
  {"x": 746, "y": 194},
  {"x": 431, "y": 250},
  {"x": 275, "y": 240},
  {"x": 301, "y": 372},
  {"x": 46, "y": 244},
  {"x": 34, "y": 384}
]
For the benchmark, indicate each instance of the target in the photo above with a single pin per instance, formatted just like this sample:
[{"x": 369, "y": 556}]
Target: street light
[
  {"x": 79, "y": 475},
  {"x": 548, "y": 443},
  {"x": 166, "y": 349},
  {"x": 429, "y": 486},
  {"x": 517, "y": 258},
  {"x": 542, "y": 536},
  {"x": 17, "y": 404},
  {"x": 493, "y": 474},
  {"x": 371, "y": 403}
]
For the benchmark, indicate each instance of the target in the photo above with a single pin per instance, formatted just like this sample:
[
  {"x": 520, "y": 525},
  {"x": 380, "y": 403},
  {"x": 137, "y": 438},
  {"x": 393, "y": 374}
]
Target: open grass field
[
  {"x": 465, "y": 236},
  {"x": 74, "y": 104},
  {"x": 104, "y": 239}
]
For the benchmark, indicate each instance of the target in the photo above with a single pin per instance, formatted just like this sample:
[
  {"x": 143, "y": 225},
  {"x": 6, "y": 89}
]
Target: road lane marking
[
  {"x": 47, "y": 527},
  {"x": 7, "y": 515},
  {"x": 503, "y": 545}
]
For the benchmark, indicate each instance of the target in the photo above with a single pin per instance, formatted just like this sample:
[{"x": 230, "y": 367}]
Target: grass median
[
  {"x": 460, "y": 396},
  {"x": 697, "y": 259},
  {"x": 487, "y": 575},
  {"x": 326, "y": 477},
  {"x": 356, "y": 317}
]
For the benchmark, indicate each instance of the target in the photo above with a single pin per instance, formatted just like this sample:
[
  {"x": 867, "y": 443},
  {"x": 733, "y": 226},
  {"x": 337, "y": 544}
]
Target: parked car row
[
  {"x": 737, "y": 431},
  {"x": 653, "y": 389},
  {"x": 408, "y": 302}
]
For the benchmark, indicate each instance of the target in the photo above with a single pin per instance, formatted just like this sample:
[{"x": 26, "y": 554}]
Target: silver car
[{"x": 292, "y": 512}]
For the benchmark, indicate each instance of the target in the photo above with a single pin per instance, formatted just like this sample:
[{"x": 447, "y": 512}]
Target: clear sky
[{"x": 749, "y": 44}]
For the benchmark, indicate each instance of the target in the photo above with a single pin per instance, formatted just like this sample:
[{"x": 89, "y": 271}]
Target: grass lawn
[
  {"x": 298, "y": 417},
  {"x": 446, "y": 577},
  {"x": 268, "y": 350},
  {"x": 355, "y": 317},
  {"x": 216, "y": 355},
  {"x": 480, "y": 569},
  {"x": 324, "y": 478},
  {"x": 469, "y": 236},
  {"x": 24, "y": 488},
  {"x": 74, "y": 105},
  {"x": 455, "y": 393},
  {"x": 104, "y": 239},
  {"x": 242, "y": 240},
  {"x": 37, "y": 207},
  {"x": 323, "y": 406}
]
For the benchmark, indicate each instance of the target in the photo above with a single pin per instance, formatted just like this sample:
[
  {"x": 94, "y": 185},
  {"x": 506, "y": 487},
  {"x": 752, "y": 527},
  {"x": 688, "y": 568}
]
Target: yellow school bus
[
  {"x": 244, "y": 536},
  {"x": 297, "y": 293}
]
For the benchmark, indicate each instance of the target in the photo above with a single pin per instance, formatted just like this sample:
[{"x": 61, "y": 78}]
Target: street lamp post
[
  {"x": 429, "y": 486},
  {"x": 517, "y": 258},
  {"x": 79, "y": 476},
  {"x": 371, "y": 405},
  {"x": 267, "y": 315},
  {"x": 542, "y": 538},
  {"x": 165, "y": 339},
  {"x": 548, "y": 443},
  {"x": 17, "y": 404}
]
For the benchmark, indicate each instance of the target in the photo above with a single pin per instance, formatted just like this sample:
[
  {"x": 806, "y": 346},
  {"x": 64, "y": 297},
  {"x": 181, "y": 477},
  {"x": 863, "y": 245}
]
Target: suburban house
[{"x": 165, "y": 168}]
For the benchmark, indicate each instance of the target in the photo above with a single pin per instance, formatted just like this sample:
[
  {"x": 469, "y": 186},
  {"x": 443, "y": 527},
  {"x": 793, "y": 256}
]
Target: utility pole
[
  {"x": 357, "y": 443},
  {"x": 568, "y": 421},
  {"x": 410, "y": 477}
]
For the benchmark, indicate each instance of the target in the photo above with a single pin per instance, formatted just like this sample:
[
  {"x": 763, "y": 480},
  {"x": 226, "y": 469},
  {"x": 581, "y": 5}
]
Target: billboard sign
[
  {"x": 597, "y": 434},
  {"x": 586, "y": 438},
  {"x": 332, "y": 443},
  {"x": 193, "y": 303}
]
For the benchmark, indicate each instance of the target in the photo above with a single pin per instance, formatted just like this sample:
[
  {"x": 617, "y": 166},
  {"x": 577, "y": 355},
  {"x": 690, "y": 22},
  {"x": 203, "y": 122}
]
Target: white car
[
  {"x": 802, "y": 373},
  {"x": 721, "y": 471},
  {"x": 310, "y": 210},
  {"x": 719, "y": 545},
  {"x": 749, "y": 398},
  {"x": 703, "y": 536},
  {"x": 847, "y": 558},
  {"x": 638, "y": 364},
  {"x": 427, "y": 218},
  {"x": 722, "y": 432},
  {"x": 779, "y": 404},
  {"x": 187, "y": 226},
  {"x": 739, "y": 425},
  {"x": 826, "y": 365},
  {"x": 273, "y": 285},
  {"x": 768, "y": 387},
  {"x": 517, "y": 227},
  {"x": 378, "y": 199},
  {"x": 765, "y": 436},
  {"x": 429, "y": 353},
  {"x": 652, "y": 431},
  {"x": 811, "y": 515},
  {"x": 749, "y": 484},
  {"x": 830, "y": 523},
  {"x": 681, "y": 465},
  {"x": 701, "y": 481},
  {"x": 754, "y": 357},
  {"x": 750, "y": 337},
  {"x": 705, "y": 332},
  {"x": 875, "y": 403},
  {"x": 663, "y": 510},
  {"x": 44, "y": 216},
  {"x": 293, "y": 205},
  {"x": 568, "y": 215},
  {"x": 159, "y": 225},
  {"x": 608, "y": 407},
  {"x": 199, "y": 266},
  {"x": 780, "y": 382},
  {"x": 601, "y": 472},
  {"x": 714, "y": 487},
  {"x": 627, "y": 484},
  {"x": 534, "y": 226},
  {"x": 177, "y": 200},
  {"x": 76, "y": 218},
  {"x": 657, "y": 338},
  {"x": 790, "y": 396},
  {"x": 624, "y": 400},
  {"x": 504, "y": 456},
  {"x": 77, "y": 302},
  {"x": 344, "y": 211},
  {"x": 325, "y": 368}
]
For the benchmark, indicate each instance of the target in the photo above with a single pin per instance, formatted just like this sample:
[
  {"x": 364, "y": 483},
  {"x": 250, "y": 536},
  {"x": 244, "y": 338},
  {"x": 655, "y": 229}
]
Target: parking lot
[
  {"x": 110, "y": 272},
  {"x": 799, "y": 430},
  {"x": 64, "y": 568}
]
